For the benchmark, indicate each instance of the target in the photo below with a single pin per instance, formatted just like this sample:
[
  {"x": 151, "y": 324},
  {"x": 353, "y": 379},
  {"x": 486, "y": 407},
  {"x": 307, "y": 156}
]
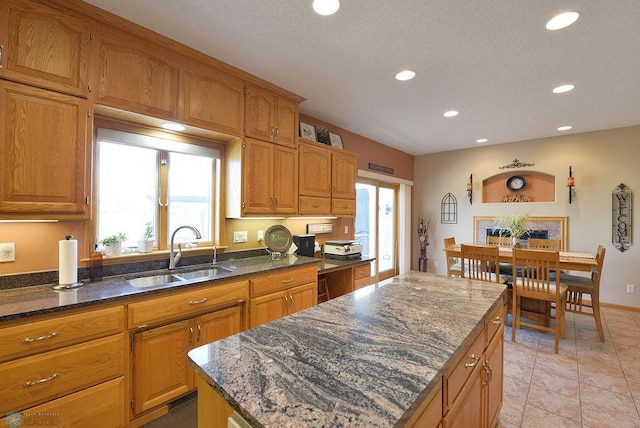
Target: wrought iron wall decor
[
  {"x": 621, "y": 217},
  {"x": 516, "y": 164},
  {"x": 570, "y": 183},
  {"x": 449, "y": 209}
]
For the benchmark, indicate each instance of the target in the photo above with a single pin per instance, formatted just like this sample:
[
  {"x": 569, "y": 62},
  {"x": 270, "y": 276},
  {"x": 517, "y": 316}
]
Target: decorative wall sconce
[
  {"x": 470, "y": 189},
  {"x": 570, "y": 183}
]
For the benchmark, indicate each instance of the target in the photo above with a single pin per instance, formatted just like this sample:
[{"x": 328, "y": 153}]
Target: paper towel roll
[{"x": 68, "y": 261}]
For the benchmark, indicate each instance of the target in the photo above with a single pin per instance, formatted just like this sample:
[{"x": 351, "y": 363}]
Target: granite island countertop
[
  {"x": 364, "y": 359},
  {"x": 16, "y": 303}
]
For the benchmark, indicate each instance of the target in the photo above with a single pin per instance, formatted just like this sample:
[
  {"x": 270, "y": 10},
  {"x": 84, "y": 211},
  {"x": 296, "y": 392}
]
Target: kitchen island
[{"x": 389, "y": 354}]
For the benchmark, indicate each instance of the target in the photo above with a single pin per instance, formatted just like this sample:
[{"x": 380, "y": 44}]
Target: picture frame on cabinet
[
  {"x": 308, "y": 131},
  {"x": 336, "y": 140}
]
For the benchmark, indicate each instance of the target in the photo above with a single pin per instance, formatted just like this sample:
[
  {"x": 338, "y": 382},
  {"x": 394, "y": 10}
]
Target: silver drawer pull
[
  {"x": 1, "y": 50},
  {"x": 38, "y": 339},
  {"x": 498, "y": 320},
  {"x": 37, "y": 382},
  {"x": 197, "y": 302},
  {"x": 286, "y": 281},
  {"x": 475, "y": 361},
  {"x": 315, "y": 206}
]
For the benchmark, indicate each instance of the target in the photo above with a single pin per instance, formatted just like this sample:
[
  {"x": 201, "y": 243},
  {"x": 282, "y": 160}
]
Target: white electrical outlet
[
  {"x": 346, "y": 230},
  {"x": 7, "y": 252},
  {"x": 631, "y": 288},
  {"x": 435, "y": 263},
  {"x": 240, "y": 236},
  {"x": 260, "y": 235}
]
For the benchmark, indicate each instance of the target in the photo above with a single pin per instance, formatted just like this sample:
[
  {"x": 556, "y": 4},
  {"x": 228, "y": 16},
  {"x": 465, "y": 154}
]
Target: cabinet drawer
[
  {"x": 314, "y": 205},
  {"x": 493, "y": 322},
  {"x": 286, "y": 279},
  {"x": 101, "y": 406},
  {"x": 52, "y": 333},
  {"x": 343, "y": 206},
  {"x": 363, "y": 271},
  {"x": 33, "y": 380},
  {"x": 459, "y": 373},
  {"x": 186, "y": 304}
]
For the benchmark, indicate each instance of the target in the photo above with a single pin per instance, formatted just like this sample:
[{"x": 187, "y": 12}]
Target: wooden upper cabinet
[
  {"x": 134, "y": 74},
  {"x": 212, "y": 100},
  {"x": 43, "y": 146},
  {"x": 269, "y": 117},
  {"x": 314, "y": 171},
  {"x": 344, "y": 169},
  {"x": 44, "y": 45}
]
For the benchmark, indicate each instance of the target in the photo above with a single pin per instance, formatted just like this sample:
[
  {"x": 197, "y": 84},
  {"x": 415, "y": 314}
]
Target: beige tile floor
[{"x": 588, "y": 384}]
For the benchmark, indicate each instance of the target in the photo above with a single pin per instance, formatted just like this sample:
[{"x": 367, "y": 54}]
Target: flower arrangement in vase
[
  {"x": 515, "y": 224},
  {"x": 423, "y": 239}
]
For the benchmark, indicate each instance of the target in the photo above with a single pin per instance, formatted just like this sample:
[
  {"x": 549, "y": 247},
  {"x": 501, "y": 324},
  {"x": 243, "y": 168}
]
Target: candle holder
[
  {"x": 570, "y": 184},
  {"x": 470, "y": 189}
]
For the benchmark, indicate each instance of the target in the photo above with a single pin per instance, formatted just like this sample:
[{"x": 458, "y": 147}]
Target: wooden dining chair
[
  {"x": 481, "y": 262},
  {"x": 532, "y": 279},
  {"x": 578, "y": 286},
  {"x": 454, "y": 266},
  {"x": 549, "y": 244}
]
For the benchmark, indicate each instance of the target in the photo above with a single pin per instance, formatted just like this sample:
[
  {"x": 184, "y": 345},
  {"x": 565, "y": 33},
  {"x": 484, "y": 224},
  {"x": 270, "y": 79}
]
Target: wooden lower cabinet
[
  {"x": 161, "y": 371},
  {"x": 100, "y": 406},
  {"x": 276, "y": 305}
]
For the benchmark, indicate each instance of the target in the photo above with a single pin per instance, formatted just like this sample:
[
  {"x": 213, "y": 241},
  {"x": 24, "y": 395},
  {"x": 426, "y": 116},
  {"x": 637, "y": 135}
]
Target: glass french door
[{"x": 377, "y": 225}]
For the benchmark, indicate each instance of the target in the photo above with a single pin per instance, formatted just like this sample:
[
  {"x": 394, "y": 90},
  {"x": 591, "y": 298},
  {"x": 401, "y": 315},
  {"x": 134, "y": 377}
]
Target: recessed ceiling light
[
  {"x": 562, "y": 20},
  {"x": 563, "y": 88},
  {"x": 565, "y": 128},
  {"x": 481, "y": 140},
  {"x": 326, "y": 7},
  {"x": 450, "y": 113},
  {"x": 173, "y": 126},
  {"x": 405, "y": 75}
]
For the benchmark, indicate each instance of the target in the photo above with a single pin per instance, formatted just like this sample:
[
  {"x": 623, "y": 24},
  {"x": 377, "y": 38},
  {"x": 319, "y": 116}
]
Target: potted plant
[
  {"x": 145, "y": 245},
  {"x": 113, "y": 244},
  {"x": 515, "y": 224}
]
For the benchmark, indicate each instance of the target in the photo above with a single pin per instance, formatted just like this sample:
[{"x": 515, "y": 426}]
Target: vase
[
  {"x": 515, "y": 242},
  {"x": 422, "y": 261}
]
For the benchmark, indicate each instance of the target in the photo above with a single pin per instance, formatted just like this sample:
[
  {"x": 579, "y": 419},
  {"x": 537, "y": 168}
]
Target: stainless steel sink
[
  {"x": 151, "y": 281},
  {"x": 204, "y": 273}
]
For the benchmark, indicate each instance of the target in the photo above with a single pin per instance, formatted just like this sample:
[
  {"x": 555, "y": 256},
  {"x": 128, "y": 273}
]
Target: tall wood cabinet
[
  {"x": 270, "y": 117},
  {"x": 44, "y": 45},
  {"x": 327, "y": 180},
  {"x": 44, "y": 162}
]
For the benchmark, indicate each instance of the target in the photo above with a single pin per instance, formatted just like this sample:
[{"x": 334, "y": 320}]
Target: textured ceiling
[{"x": 492, "y": 60}]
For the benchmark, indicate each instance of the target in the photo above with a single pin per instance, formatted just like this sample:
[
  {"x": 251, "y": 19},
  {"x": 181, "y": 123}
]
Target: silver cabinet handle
[
  {"x": 475, "y": 361},
  {"x": 286, "y": 281},
  {"x": 1, "y": 51},
  {"x": 190, "y": 335},
  {"x": 38, "y": 382},
  {"x": 38, "y": 339},
  {"x": 315, "y": 206},
  {"x": 199, "y": 333},
  {"x": 498, "y": 320},
  {"x": 197, "y": 302}
]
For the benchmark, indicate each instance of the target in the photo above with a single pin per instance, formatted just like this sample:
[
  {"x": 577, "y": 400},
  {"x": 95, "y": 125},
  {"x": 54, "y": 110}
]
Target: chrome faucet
[
  {"x": 175, "y": 258},
  {"x": 215, "y": 255}
]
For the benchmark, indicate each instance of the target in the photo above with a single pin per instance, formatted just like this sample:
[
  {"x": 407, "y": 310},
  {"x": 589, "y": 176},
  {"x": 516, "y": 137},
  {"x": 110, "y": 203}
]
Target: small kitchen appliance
[
  {"x": 342, "y": 249},
  {"x": 306, "y": 244}
]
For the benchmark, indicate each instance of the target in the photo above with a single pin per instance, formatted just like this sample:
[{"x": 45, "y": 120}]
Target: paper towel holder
[{"x": 61, "y": 287}]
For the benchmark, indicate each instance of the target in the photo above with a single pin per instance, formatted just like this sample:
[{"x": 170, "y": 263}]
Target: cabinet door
[
  {"x": 136, "y": 75},
  {"x": 267, "y": 308},
  {"x": 344, "y": 169},
  {"x": 258, "y": 177},
  {"x": 286, "y": 122},
  {"x": 302, "y": 297},
  {"x": 285, "y": 180},
  {"x": 493, "y": 367},
  {"x": 218, "y": 325},
  {"x": 213, "y": 101},
  {"x": 43, "y": 147},
  {"x": 466, "y": 410},
  {"x": 259, "y": 111},
  {"x": 44, "y": 45},
  {"x": 160, "y": 368},
  {"x": 314, "y": 171}
]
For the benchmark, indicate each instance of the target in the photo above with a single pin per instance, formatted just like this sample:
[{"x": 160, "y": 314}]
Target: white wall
[{"x": 601, "y": 161}]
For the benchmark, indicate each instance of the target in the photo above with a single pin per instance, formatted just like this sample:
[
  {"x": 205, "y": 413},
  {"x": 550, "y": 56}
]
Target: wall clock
[{"x": 516, "y": 183}]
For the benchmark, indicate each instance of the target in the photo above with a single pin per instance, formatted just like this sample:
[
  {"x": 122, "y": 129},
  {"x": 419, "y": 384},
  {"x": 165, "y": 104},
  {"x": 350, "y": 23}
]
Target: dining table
[{"x": 569, "y": 260}]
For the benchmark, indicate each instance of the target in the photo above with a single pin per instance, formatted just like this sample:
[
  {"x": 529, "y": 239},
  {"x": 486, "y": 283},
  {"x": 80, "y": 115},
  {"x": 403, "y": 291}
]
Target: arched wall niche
[{"x": 540, "y": 187}]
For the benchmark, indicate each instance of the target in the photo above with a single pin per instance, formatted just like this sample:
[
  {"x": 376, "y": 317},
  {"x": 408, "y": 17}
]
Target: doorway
[{"x": 376, "y": 225}]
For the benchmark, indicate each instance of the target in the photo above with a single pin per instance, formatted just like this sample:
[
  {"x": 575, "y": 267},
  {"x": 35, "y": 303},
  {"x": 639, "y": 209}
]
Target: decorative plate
[{"x": 278, "y": 238}]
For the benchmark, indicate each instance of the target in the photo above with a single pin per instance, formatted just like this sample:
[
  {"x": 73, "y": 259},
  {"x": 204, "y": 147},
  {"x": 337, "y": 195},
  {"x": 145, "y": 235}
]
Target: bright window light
[
  {"x": 562, "y": 20},
  {"x": 326, "y": 7}
]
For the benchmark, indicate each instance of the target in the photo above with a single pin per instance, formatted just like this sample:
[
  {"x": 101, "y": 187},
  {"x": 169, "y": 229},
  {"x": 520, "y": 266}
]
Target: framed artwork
[
  {"x": 336, "y": 140},
  {"x": 308, "y": 131}
]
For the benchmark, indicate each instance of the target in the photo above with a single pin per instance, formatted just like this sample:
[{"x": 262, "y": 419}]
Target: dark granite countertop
[
  {"x": 34, "y": 300},
  {"x": 361, "y": 360}
]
